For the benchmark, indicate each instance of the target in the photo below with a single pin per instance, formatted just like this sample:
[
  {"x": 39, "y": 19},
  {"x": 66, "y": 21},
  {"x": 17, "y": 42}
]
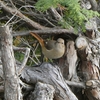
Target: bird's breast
[{"x": 53, "y": 53}]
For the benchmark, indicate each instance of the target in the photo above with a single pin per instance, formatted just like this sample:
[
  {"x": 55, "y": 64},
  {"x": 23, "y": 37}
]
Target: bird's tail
[{"x": 41, "y": 41}]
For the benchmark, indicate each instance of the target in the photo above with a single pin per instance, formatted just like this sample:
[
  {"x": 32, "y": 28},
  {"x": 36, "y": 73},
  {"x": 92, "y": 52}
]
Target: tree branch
[
  {"x": 24, "y": 61},
  {"x": 56, "y": 14},
  {"x": 45, "y": 31},
  {"x": 76, "y": 84},
  {"x": 23, "y": 17}
]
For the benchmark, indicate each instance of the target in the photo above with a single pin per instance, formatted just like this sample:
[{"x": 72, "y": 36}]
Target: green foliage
[
  {"x": 19, "y": 56},
  {"x": 43, "y": 5},
  {"x": 74, "y": 15}
]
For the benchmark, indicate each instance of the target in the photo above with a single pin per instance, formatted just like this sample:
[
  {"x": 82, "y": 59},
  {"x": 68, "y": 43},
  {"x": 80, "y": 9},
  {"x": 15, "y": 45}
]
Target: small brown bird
[{"x": 52, "y": 49}]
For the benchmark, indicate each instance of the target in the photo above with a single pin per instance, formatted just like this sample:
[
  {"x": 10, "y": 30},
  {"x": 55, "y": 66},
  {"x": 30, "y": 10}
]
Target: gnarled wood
[
  {"x": 50, "y": 74},
  {"x": 43, "y": 92},
  {"x": 90, "y": 71},
  {"x": 81, "y": 43}
]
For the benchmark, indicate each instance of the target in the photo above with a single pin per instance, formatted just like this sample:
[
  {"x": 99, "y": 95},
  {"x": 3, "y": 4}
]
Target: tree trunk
[{"x": 11, "y": 84}]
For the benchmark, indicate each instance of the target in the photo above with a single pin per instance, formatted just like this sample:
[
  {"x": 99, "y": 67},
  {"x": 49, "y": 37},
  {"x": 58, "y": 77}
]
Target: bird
[{"x": 52, "y": 49}]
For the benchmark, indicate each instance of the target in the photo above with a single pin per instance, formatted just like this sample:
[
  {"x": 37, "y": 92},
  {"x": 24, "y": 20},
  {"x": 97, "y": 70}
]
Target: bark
[
  {"x": 49, "y": 74},
  {"x": 81, "y": 43},
  {"x": 89, "y": 70},
  {"x": 93, "y": 83},
  {"x": 45, "y": 31},
  {"x": 11, "y": 84},
  {"x": 71, "y": 60},
  {"x": 56, "y": 14},
  {"x": 43, "y": 92},
  {"x": 94, "y": 4},
  {"x": 98, "y": 5}
]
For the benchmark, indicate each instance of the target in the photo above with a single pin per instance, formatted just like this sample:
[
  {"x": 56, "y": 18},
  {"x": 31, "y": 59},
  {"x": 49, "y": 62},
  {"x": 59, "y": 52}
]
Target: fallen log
[{"x": 49, "y": 74}]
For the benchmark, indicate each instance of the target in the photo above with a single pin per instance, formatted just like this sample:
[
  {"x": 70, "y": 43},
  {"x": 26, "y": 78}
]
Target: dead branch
[
  {"x": 81, "y": 43},
  {"x": 90, "y": 70},
  {"x": 93, "y": 84},
  {"x": 49, "y": 74},
  {"x": 72, "y": 58},
  {"x": 56, "y": 14},
  {"x": 93, "y": 89},
  {"x": 24, "y": 61},
  {"x": 45, "y": 31},
  {"x": 76, "y": 84},
  {"x": 20, "y": 15}
]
